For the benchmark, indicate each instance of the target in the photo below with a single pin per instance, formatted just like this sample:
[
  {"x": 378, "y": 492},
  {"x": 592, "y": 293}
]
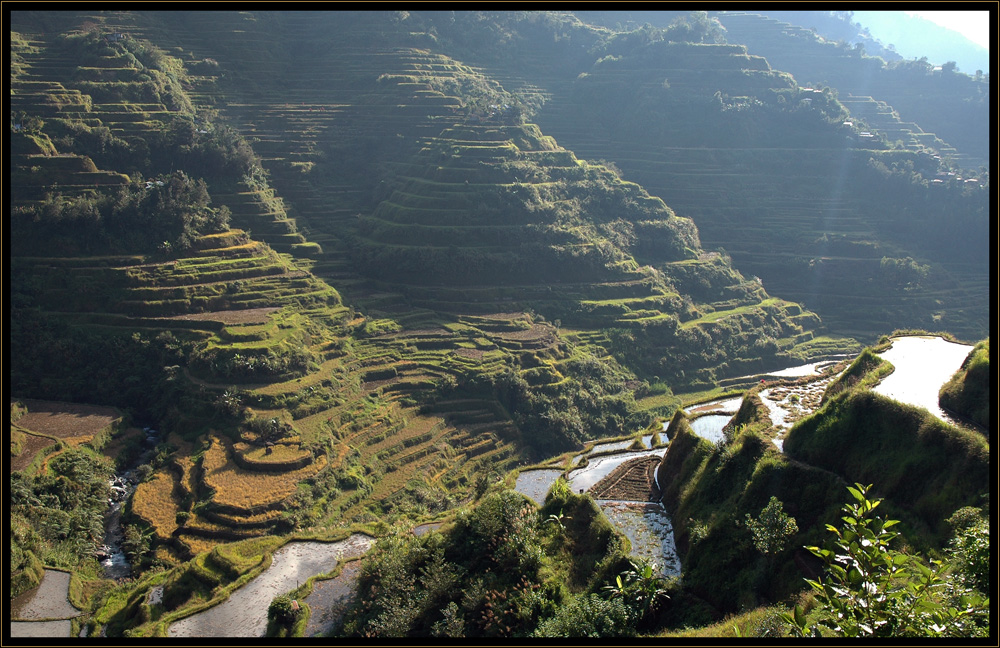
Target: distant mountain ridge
[{"x": 915, "y": 37}]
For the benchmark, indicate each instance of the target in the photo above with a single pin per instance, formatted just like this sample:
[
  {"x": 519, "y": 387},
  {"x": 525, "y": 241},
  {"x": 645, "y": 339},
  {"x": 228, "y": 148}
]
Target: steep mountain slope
[
  {"x": 782, "y": 177},
  {"x": 815, "y": 216},
  {"x": 487, "y": 203},
  {"x": 457, "y": 224},
  {"x": 940, "y": 100},
  {"x": 332, "y": 259}
]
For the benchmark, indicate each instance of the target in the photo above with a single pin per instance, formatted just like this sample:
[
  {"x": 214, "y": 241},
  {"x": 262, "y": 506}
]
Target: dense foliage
[
  {"x": 871, "y": 589},
  {"x": 164, "y": 214},
  {"x": 920, "y": 462},
  {"x": 503, "y": 569},
  {"x": 57, "y": 516}
]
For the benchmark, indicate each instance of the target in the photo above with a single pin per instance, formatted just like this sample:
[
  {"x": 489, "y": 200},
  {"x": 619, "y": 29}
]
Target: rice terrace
[{"x": 477, "y": 324}]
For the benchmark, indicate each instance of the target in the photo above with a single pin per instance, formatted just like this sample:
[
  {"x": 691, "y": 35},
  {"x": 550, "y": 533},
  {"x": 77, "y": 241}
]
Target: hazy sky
[{"x": 974, "y": 25}]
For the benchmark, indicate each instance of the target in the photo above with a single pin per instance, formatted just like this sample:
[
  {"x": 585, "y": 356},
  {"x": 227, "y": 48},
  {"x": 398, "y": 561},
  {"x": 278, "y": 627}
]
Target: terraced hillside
[
  {"x": 503, "y": 297},
  {"x": 788, "y": 184},
  {"x": 453, "y": 166},
  {"x": 355, "y": 286},
  {"x": 244, "y": 354},
  {"x": 954, "y": 106},
  {"x": 817, "y": 202}
]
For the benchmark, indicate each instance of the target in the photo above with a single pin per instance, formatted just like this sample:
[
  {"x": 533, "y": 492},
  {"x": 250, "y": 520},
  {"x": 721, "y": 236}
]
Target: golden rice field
[
  {"x": 188, "y": 479},
  {"x": 280, "y": 453},
  {"x": 310, "y": 427},
  {"x": 154, "y": 502},
  {"x": 246, "y": 489},
  {"x": 415, "y": 427}
]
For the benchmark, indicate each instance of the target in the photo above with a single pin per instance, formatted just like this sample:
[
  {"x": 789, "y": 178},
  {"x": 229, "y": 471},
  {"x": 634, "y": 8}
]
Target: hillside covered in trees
[{"x": 352, "y": 270}]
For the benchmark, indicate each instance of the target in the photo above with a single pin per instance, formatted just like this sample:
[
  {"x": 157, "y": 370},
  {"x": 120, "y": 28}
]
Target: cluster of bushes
[
  {"x": 236, "y": 366},
  {"x": 131, "y": 371},
  {"x": 159, "y": 75},
  {"x": 505, "y": 569},
  {"x": 57, "y": 517},
  {"x": 166, "y": 215},
  {"x": 592, "y": 401}
]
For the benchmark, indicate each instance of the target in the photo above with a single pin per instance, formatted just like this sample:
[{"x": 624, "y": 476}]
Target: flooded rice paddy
[
  {"x": 422, "y": 529},
  {"x": 648, "y": 528},
  {"x": 923, "y": 364},
  {"x": 244, "y": 614},
  {"x": 786, "y": 404},
  {"x": 49, "y": 601},
  {"x": 26, "y": 629},
  {"x": 710, "y": 426},
  {"x": 613, "y": 446},
  {"x": 731, "y": 405},
  {"x": 536, "y": 483},
  {"x": 330, "y": 599},
  {"x": 582, "y": 479}
]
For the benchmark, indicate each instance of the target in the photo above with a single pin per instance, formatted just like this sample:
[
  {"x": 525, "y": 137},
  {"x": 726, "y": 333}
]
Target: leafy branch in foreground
[{"x": 870, "y": 590}]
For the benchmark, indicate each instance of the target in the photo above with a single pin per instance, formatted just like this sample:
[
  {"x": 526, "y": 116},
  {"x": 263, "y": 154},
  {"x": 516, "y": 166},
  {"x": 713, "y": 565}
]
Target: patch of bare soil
[
  {"x": 536, "y": 332},
  {"x": 472, "y": 354},
  {"x": 632, "y": 481},
  {"x": 32, "y": 446},
  {"x": 66, "y": 420}
]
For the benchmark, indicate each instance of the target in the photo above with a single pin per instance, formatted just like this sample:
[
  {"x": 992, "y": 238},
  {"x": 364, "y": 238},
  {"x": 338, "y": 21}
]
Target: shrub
[
  {"x": 871, "y": 590},
  {"x": 283, "y": 611},
  {"x": 589, "y": 615},
  {"x": 970, "y": 549},
  {"x": 772, "y": 528}
]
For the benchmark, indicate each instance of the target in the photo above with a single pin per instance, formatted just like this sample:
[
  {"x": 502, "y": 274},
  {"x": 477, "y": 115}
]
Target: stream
[{"x": 122, "y": 484}]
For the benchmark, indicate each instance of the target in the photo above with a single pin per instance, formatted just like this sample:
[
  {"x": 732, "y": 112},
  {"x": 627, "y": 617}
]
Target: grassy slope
[{"x": 968, "y": 392}]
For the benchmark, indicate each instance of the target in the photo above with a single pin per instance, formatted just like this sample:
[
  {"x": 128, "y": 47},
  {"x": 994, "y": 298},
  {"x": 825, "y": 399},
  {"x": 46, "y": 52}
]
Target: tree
[
  {"x": 136, "y": 545},
  {"x": 871, "y": 590},
  {"x": 772, "y": 529},
  {"x": 283, "y": 611},
  {"x": 641, "y": 588}
]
